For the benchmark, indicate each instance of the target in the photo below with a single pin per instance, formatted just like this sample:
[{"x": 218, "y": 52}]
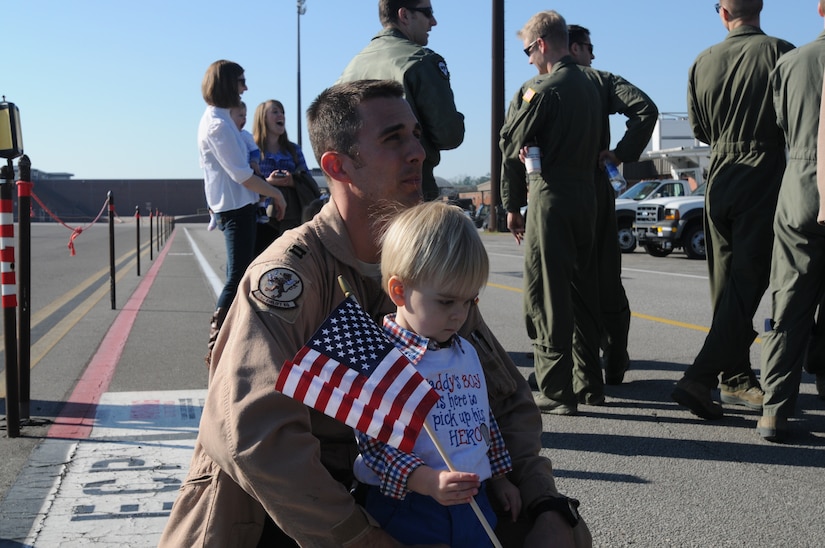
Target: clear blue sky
[{"x": 111, "y": 89}]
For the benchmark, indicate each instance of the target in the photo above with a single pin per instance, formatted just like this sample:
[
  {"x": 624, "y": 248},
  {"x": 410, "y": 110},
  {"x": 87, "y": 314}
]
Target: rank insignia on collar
[{"x": 279, "y": 288}]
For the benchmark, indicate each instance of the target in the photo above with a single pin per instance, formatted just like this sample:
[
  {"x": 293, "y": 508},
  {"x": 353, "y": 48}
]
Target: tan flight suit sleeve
[{"x": 262, "y": 440}]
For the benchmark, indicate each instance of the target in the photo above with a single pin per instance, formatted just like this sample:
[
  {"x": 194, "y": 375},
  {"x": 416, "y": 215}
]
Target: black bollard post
[
  {"x": 151, "y": 237},
  {"x": 9, "y": 299},
  {"x": 24, "y": 282},
  {"x": 112, "y": 248},
  {"x": 157, "y": 236},
  {"x": 137, "y": 237}
]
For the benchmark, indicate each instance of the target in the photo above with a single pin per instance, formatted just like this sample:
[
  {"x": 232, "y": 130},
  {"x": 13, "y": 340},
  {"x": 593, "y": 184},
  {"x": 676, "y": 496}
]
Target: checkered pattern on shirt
[{"x": 394, "y": 467}]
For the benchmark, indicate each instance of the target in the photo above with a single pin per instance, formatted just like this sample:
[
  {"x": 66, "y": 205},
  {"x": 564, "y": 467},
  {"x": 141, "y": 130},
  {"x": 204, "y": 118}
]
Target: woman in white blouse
[{"x": 232, "y": 189}]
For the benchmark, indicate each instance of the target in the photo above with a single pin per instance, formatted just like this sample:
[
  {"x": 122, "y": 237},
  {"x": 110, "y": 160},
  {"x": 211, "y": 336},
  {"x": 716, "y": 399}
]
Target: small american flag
[{"x": 351, "y": 371}]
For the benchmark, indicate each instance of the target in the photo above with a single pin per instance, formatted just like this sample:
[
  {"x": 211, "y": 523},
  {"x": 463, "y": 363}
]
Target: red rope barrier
[{"x": 76, "y": 231}]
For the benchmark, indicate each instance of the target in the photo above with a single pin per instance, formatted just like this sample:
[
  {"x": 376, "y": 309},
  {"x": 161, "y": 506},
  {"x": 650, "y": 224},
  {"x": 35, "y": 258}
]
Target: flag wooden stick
[
  {"x": 473, "y": 503},
  {"x": 345, "y": 287}
]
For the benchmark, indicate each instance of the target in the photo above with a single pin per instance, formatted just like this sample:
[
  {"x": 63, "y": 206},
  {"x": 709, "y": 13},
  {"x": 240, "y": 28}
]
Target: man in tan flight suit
[{"x": 266, "y": 469}]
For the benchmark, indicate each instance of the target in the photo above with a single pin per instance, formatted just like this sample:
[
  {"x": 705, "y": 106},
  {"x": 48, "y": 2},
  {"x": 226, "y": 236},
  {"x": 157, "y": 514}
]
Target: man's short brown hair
[
  {"x": 550, "y": 26},
  {"x": 333, "y": 120},
  {"x": 742, "y": 9},
  {"x": 388, "y": 10}
]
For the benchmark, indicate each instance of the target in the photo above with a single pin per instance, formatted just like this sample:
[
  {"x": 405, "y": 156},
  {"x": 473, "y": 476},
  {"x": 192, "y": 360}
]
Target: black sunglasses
[
  {"x": 529, "y": 49},
  {"x": 718, "y": 6},
  {"x": 588, "y": 46},
  {"x": 426, "y": 12}
]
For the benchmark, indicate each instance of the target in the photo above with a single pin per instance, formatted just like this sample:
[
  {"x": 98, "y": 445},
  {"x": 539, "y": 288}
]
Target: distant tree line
[{"x": 468, "y": 181}]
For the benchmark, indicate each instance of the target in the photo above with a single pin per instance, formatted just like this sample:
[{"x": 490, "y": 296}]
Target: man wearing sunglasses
[
  {"x": 581, "y": 47},
  {"x": 730, "y": 108},
  {"x": 560, "y": 112},
  {"x": 618, "y": 96},
  {"x": 398, "y": 53}
]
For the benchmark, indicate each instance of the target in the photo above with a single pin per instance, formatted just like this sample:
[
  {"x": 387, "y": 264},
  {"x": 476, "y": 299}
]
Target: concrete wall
[{"x": 82, "y": 200}]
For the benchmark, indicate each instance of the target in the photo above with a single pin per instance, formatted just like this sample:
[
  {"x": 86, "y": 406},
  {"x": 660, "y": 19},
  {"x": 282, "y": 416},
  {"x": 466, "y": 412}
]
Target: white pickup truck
[
  {"x": 665, "y": 224},
  {"x": 628, "y": 201}
]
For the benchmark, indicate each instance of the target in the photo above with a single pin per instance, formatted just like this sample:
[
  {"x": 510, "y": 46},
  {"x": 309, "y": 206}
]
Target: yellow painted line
[
  {"x": 670, "y": 322},
  {"x": 55, "y": 305},
  {"x": 47, "y": 342},
  {"x": 647, "y": 317},
  {"x": 675, "y": 323},
  {"x": 505, "y": 287}
]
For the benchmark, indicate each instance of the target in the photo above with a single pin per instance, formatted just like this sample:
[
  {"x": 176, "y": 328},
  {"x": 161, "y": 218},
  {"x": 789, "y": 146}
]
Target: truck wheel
[
  {"x": 627, "y": 239},
  {"x": 695, "y": 242},
  {"x": 656, "y": 250}
]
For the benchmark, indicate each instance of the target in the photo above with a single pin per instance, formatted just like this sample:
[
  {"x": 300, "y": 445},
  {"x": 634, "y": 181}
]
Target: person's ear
[
  {"x": 396, "y": 291},
  {"x": 332, "y": 162},
  {"x": 724, "y": 14}
]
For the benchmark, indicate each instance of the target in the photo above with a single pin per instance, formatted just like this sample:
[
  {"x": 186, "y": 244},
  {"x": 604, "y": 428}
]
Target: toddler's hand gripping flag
[{"x": 351, "y": 371}]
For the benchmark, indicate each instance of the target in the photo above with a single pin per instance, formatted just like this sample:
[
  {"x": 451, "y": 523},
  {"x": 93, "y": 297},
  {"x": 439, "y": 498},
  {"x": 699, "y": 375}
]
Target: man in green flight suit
[
  {"x": 798, "y": 264},
  {"x": 729, "y": 107},
  {"x": 398, "y": 53},
  {"x": 617, "y": 96},
  {"x": 559, "y": 111}
]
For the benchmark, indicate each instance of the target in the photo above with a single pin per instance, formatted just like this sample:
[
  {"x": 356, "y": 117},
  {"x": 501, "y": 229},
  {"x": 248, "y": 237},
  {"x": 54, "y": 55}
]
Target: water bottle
[{"x": 616, "y": 178}]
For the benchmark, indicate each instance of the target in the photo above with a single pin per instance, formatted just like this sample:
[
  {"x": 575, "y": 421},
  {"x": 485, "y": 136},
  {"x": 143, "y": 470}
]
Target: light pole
[{"x": 301, "y": 4}]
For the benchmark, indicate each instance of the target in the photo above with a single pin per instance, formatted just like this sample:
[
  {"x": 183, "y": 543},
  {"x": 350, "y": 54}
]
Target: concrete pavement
[{"x": 647, "y": 472}]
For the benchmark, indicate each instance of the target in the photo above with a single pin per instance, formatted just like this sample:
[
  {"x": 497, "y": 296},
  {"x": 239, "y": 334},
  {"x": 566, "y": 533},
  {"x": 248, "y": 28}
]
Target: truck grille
[{"x": 646, "y": 214}]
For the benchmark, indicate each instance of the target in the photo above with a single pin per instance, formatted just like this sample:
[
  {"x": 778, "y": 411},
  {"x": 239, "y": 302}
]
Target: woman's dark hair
[{"x": 220, "y": 84}]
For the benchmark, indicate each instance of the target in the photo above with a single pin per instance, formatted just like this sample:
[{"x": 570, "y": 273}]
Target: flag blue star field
[{"x": 351, "y": 371}]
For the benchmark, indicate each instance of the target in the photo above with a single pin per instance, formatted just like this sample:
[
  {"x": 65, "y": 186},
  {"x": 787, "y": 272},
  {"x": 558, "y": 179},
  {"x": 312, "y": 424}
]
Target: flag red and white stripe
[{"x": 351, "y": 371}]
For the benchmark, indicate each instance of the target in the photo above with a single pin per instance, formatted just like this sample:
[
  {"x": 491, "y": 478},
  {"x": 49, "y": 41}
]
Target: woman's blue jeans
[{"x": 238, "y": 227}]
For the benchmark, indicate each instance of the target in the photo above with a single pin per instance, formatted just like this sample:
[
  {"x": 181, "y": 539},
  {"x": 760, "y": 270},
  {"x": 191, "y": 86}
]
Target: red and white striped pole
[
  {"x": 8, "y": 297},
  {"x": 7, "y": 279}
]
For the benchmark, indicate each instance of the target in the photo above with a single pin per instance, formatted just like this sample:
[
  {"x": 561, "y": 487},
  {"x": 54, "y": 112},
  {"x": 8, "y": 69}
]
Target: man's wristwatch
[{"x": 567, "y": 507}]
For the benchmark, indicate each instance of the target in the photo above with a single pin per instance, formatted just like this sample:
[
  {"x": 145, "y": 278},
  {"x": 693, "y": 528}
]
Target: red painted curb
[{"x": 78, "y": 415}]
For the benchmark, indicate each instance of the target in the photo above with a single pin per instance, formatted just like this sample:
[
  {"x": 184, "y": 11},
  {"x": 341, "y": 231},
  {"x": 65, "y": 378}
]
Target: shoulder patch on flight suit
[
  {"x": 442, "y": 66},
  {"x": 279, "y": 288},
  {"x": 528, "y": 95}
]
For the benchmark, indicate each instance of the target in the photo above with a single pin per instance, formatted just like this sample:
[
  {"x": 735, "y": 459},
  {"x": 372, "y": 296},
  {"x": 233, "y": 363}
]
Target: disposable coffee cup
[{"x": 533, "y": 160}]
